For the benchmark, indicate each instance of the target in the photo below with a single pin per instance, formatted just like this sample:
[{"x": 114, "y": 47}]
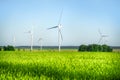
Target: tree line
[
  {"x": 95, "y": 48},
  {"x": 7, "y": 48},
  {"x": 90, "y": 48}
]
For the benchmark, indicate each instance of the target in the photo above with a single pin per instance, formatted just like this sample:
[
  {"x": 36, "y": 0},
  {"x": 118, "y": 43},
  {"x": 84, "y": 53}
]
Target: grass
[{"x": 64, "y": 65}]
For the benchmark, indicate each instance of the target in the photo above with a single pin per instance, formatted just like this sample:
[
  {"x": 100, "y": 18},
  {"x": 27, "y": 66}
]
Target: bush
[
  {"x": 0, "y": 48},
  {"x": 105, "y": 48},
  {"x": 83, "y": 48},
  {"x": 5, "y": 48},
  {"x": 8, "y": 48},
  {"x": 100, "y": 48},
  {"x": 95, "y": 48}
]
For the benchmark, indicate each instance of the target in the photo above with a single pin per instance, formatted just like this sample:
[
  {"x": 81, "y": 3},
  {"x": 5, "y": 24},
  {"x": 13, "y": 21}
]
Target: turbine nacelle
[{"x": 59, "y": 26}]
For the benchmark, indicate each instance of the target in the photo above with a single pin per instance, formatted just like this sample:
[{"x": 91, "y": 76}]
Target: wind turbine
[
  {"x": 31, "y": 35},
  {"x": 40, "y": 40},
  {"x": 59, "y": 26},
  {"x": 102, "y": 36},
  {"x": 14, "y": 40}
]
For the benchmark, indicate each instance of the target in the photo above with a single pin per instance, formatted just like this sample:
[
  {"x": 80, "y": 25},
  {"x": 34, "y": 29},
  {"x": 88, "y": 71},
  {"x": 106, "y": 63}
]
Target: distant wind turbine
[
  {"x": 14, "y": 40},
  {"x": 31, "y": 34},
  {"x": 59, "y": 26},
  {"x": 40, "y": 40},
  {"x": 102, "y": 36}
]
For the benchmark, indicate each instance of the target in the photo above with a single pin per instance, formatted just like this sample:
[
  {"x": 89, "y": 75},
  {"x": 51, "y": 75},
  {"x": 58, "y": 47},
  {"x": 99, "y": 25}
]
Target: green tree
[
  {"x": 89, "y": 47},
  {"x": 82, "y": 48},
  {"x": 95, "y": 48},
  {"x": 100, "y": 48},
  {"x": 109, "y": 49},
  {"x": 105, "y": 48},
  {"x": 5, "y": 48},
  {"x": 0, "y": 48},
  {"x": 8, "y": 48}
]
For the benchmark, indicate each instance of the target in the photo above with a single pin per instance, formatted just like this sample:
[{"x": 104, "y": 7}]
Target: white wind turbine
[
  {"x": 59, "y": 26},
  {"x": 31, "y": 35},
  {"x": 102, "y": 36},
  {"x": 40, "y": 40},
  {"x": 14, "y": 40}
]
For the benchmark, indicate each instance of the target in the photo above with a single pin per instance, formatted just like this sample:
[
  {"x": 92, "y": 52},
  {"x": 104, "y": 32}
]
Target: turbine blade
[
  {"x": 60, "y": 17},
  {"x": 61, "y": 34},
  {"x": 105, "y": 36},
  {"x": 53, "y": 27}
]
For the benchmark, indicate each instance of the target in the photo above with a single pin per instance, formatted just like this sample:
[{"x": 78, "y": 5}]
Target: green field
[{"x": 64, "y": 65}]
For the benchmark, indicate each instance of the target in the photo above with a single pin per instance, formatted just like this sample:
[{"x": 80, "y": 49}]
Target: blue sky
[{"x": 81, "y": 20}]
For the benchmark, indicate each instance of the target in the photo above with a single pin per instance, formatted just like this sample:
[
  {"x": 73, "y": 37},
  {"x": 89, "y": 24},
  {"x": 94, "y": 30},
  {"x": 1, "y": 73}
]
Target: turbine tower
[
  {"x": 102, "y": 36},
  {"x": 31, "y": 35},
  {"x": 59, "y": 26},
  {"x": 40, "y": 40}
]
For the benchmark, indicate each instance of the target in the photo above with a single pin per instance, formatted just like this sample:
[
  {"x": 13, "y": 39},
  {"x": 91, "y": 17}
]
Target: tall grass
[{"x": 54, "y": 65}]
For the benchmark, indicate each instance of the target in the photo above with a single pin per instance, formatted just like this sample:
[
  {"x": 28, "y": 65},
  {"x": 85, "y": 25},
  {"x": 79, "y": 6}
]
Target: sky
[{"x": 81, "y": 20}]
